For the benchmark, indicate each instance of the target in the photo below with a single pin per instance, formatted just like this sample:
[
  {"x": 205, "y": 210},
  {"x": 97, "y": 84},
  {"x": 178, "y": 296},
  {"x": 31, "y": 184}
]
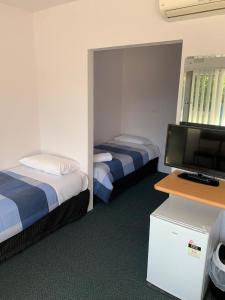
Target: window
[{"x": 204, "y": 92}]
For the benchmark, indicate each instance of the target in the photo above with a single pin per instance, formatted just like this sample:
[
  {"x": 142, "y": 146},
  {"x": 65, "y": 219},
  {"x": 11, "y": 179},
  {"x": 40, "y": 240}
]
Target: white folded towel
[{"x": 101, "y": 157}]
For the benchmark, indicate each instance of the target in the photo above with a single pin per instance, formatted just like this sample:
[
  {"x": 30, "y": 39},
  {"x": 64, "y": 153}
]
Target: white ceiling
[{"x": 34, "y": 5}]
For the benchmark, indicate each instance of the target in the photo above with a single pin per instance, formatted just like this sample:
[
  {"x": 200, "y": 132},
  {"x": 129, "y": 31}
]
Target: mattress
[
  {"x": 27, "y": 195},
  {"x": 66, "y": 186},
  {"x": 127, "y": 158}
]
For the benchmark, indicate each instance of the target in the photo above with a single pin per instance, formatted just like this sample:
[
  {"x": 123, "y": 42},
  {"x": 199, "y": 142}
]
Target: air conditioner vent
[{"x": 182, "y": 8}]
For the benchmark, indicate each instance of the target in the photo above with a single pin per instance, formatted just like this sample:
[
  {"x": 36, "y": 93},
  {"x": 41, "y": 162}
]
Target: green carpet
[{"x": 102, "y": 256}]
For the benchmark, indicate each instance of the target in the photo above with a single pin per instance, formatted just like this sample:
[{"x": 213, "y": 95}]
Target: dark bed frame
[
  {"x": 70, "y": 211},
  {"x": 133, "y": 178}
]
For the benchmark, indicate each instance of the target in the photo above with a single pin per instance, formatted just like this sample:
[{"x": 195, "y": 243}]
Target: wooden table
[{"x": 172, "y": 184}]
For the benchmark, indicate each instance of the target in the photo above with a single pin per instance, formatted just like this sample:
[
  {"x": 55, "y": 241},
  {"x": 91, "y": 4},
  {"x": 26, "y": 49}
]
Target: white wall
[
  {"x": 62, "y": 72},
  {"x": 19, "y": 130},
  {"x": 65, "y": 33},
  {"x": 150, "y": 91},
  {"x": 108, "y": 83}
]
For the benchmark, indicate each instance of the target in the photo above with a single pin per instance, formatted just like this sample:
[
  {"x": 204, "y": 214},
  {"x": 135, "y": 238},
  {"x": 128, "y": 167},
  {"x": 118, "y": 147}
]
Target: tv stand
[
  {"x": 206, "y": 194},
  {"x": 199, "y": 178}
]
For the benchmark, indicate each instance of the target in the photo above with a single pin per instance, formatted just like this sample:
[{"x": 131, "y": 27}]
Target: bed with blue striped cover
[
  {"x": 127, "y": 158},
  {"x": 23, "y": 201}
]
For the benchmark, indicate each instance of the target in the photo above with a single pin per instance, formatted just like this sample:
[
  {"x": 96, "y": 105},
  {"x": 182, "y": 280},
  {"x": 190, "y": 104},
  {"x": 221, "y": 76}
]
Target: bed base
[{"x": 70, "y": 211}]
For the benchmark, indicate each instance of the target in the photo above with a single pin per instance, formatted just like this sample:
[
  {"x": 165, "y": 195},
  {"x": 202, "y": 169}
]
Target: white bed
[
  {"x": 66, "y": 186},
  {"x": 34, "y": 203}
]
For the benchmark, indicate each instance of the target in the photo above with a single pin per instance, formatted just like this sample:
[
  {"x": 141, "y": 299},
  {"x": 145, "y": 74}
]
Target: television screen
[{"x": 197, "y": 149}]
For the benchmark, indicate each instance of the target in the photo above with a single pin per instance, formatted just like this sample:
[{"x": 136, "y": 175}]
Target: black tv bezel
[{"x": 203, "y": 171}]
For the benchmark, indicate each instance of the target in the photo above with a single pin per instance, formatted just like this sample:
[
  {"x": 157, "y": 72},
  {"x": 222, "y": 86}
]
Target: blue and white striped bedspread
[
  {"x": 126, "y": 159},
  {"x": 23, "y": 201}
]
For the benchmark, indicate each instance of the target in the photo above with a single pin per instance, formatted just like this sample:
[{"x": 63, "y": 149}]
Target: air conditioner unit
[{"x": 173, "y": 9}]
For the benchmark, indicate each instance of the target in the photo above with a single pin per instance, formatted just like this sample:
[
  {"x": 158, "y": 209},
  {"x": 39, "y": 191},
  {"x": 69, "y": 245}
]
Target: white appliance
[
  {"x": 172, "y": 9},
  {"x": 183, "y": 236}
]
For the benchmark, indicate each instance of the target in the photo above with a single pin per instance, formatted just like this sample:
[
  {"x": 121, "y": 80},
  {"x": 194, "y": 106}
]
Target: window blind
[{"x": 207, "y": 95}]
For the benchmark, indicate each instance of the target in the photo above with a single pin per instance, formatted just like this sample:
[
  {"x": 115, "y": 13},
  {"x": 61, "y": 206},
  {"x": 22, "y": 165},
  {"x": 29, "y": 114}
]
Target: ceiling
[{"x": 34, "y": 5}]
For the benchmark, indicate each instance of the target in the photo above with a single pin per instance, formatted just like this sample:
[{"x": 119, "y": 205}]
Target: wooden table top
[{"x": 211, "y": 195}]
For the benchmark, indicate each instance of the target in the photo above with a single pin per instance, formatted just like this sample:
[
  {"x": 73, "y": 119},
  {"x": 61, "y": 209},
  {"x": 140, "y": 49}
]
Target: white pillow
[
  {"x": 102, "y": 157},
  {"x": 133, "y": 139},
  {"x": 51, "y": 164}
]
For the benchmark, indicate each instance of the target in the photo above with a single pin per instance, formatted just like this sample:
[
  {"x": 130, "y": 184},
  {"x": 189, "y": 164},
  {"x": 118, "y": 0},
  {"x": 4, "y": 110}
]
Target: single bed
[
  {"x": 130, "y": 162},
  {"x": 34, "y": 203}
]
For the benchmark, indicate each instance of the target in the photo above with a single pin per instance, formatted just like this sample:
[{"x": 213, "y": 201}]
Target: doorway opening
[{"x": 133, "y": 91}]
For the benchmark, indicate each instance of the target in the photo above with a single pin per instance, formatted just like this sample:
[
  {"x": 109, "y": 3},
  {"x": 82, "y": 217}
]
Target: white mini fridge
[{"x": 183, "y": 236}]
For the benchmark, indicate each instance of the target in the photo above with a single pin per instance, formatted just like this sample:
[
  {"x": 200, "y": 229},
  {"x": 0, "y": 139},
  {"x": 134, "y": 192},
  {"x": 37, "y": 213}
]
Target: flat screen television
[{"x": 199, "y": 149}]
